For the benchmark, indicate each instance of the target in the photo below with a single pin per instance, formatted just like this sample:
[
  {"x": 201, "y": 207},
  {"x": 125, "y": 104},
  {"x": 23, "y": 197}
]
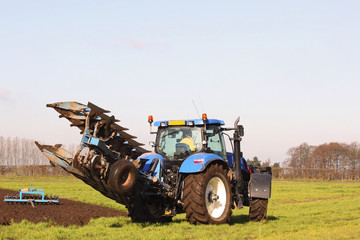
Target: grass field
[{"x": 297, "y": 210}]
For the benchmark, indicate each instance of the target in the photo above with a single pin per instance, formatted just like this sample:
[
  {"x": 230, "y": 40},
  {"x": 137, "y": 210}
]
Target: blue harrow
[{"x": 31, "y": 196}]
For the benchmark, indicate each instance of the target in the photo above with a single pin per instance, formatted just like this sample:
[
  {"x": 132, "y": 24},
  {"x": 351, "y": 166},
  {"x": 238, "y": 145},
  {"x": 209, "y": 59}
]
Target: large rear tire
[
  {"x": 258, "y": 209},
  {"x": 122, "y": 177},
  {"x": 207, "y": 196}
]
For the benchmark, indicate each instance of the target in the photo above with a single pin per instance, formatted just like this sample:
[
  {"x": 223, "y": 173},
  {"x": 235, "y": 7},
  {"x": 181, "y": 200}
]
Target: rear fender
[
  {"x": 260, "y": 185},
  {"x": 198, "y": 162}
]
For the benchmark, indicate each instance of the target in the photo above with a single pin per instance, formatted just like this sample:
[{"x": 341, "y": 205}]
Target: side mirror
[{"x": 241, "y": 130}]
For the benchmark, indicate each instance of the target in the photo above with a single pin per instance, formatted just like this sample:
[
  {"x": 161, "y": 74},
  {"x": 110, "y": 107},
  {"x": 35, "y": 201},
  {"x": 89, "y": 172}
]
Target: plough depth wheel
[{"x": 122, "y": 176}]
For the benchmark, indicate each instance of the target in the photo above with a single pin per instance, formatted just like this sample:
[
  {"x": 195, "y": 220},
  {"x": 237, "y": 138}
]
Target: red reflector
[{"x": 198, "y": 160}]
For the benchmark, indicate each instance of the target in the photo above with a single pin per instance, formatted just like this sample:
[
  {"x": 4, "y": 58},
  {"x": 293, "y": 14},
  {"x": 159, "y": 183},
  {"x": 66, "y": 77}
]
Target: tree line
[
  {"x": 335, "y": 156},
  {"x": 328, "y": 161},
  {"x": 15, "y": 151}
]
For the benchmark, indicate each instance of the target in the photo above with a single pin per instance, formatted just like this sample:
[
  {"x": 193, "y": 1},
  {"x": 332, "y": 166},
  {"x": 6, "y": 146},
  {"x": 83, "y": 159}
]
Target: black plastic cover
[{"x": 260, "y": 185}]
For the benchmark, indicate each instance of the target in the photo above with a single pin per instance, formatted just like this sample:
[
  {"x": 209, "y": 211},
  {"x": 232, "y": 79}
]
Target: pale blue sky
[{"x": 289, "y": 69}]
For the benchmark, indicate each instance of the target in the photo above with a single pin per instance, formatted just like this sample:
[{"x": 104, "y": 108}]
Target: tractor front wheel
[
  {"x": 258, "y": 209},
  {"x": 207, "y": 196}
]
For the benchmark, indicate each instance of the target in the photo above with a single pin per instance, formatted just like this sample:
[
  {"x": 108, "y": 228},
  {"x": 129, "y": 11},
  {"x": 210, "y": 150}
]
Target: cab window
[
  {"x": 177, "y": 143},
  {"x": 215, "y": 141}
]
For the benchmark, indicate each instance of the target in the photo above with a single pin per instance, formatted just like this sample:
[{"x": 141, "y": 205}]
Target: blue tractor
[{"x": 189, "y": 171}]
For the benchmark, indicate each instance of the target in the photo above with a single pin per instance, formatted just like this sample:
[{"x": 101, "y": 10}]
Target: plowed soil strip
[{"x": 66, "y": 213}]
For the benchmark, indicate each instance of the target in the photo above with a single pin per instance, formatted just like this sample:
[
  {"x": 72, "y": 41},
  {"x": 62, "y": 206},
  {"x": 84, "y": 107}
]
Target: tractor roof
[{"x": 190, "y": 122}]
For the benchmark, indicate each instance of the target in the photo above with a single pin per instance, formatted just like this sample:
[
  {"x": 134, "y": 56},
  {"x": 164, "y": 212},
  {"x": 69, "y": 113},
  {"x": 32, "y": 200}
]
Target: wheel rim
[
  {"x": 215, "y": 197},
  {"x": 126, "y": 178}
]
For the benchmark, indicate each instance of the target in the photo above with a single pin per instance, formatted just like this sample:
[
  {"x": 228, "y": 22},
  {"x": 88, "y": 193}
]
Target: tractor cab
[{"x": 177, "y": 140}]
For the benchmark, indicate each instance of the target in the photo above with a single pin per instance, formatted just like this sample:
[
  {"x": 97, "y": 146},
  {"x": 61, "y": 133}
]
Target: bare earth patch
[{"x": 66, "y": 213}]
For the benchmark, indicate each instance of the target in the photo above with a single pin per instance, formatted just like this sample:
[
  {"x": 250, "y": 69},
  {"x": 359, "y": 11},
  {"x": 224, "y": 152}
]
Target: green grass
[{"x": 297, "y": 210}]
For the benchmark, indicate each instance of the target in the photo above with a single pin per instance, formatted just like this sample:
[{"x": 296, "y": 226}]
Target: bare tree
[
  {"x": 300, "y": 156},
  {"x": 329, "y": 156},
  {"x": 8, "y": 151},
  {"x": 354, "y": 155},
  {"x": 2, "y": 150}
]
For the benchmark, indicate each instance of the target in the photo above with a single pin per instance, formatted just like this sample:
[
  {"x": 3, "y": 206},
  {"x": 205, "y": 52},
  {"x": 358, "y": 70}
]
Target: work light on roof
[
  {"x": 150, "y": 119},
  {"x": 204, "y": 116}
]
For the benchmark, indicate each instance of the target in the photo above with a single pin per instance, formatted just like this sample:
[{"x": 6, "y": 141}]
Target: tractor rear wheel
[
  {"x": 258, "y": 209},
  {"x": 207, "y": 196},
  {"x": 122, "y": 176}
]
